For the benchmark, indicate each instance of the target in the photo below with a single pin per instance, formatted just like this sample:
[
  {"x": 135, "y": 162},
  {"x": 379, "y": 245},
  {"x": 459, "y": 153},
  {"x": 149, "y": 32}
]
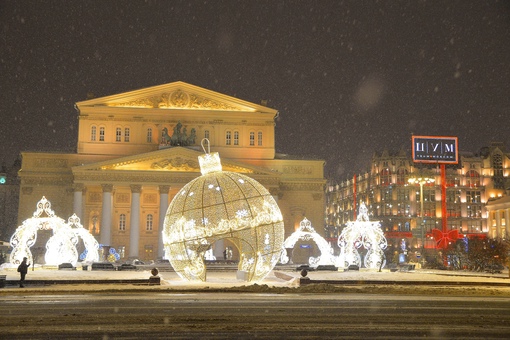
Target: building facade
[
  {"x": 9, "y": 196},
  {"x": 471, "y": 186},
  {"x": 498, "y": 215},
  {"x": 136, "y": 150}
]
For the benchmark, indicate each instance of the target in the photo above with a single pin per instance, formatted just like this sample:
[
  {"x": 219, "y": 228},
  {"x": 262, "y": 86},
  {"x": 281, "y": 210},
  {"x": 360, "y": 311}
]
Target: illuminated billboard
[{"x": 431, "y": 149}]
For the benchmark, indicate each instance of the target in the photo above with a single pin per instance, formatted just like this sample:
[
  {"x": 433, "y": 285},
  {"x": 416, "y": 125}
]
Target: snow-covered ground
[{"x": 278, "y": 279}]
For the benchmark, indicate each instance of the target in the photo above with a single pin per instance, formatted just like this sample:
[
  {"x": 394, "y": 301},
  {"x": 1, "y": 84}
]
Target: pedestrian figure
[{"x": 22, "y": 270}]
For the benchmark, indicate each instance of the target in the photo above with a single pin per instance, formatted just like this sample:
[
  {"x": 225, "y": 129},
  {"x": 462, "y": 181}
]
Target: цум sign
[{"x": 428, "y": 149}]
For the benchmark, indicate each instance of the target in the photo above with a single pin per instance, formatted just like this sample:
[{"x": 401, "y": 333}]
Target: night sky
[{"x": 347, "y": 77}]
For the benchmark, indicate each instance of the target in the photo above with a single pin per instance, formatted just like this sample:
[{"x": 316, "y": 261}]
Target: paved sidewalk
[{"x": 78, "y": 280}]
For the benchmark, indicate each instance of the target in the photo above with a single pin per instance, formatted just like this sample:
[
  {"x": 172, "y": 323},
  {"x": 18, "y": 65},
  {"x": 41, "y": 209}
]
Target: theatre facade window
[
  {"x": 148, "y": 222},
  {"x": 122, "y": 222},
  {"x": 93, "y": 133},
  {"x": 149, "y": 135},
  {"x": 101, "y": 133},
  {"x": 228, "y": 137},
  {"x": 118, "y": 134}
]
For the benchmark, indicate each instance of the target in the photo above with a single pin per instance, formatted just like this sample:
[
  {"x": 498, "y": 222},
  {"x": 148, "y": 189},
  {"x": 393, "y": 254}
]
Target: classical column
[
  {"x": 498, "y": 224},
  {"x": 106, "y": 215},
  {"x": 134, "y": 230},
  {"x": 78, "y": 200},
  {"x": 163, "y": 206},
  {"x": 507, "y": 223}
]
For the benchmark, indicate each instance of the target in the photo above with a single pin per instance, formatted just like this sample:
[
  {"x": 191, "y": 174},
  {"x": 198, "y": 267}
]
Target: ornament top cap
[{"x": 209, "y": 162}]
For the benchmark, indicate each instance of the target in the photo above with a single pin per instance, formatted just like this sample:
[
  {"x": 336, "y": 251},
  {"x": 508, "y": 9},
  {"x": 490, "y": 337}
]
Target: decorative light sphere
[{"x": 223, "y": 205}]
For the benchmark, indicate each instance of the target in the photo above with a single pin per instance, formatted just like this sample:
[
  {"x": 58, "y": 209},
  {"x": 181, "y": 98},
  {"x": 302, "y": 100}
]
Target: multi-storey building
[
  {"x": 477, "y": 180},
  {"x": 9, "y": 195},
  {"x": 136, "y": 150}
]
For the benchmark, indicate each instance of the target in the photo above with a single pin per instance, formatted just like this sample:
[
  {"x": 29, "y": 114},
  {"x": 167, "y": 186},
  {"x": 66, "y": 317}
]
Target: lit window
[
  {"x": 259, "y": 141},
  {"x": 228, "y": 138},
  {"x": 101, "y": 134},
  {"x": 236, "y": 137},
  {"x": 206, "y": 134},
  {"x": 385, "y": 177},
  {"x": 473, "y": 196},
  {"x": 252, "y": 138},
  {"x": 474, "y": 211},
  {"x": 402, "y": 176},
  {"x": 126, "y": 135},
  {"x": 148, "y": 222},
  {"x": 93, "y": 134},
  {"x": 118, "y": 135},
  {"x": 149, "y": 135},
  {"x": 472, "y": 179},
  {"x": 122, "y": 222}
]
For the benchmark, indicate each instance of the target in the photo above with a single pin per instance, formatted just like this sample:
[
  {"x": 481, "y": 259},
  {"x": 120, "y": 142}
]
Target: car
[
  {"x": 102, "y": 266},
  {"x": 67, "y": 266},
  {"x": 163, "y": 261},
  {"x": 126, "y": 266}
]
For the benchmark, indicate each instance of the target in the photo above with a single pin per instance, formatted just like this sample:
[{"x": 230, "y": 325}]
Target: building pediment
[
  {"x": 176, "y": 95},
  {"x": 175, "y": 159}
]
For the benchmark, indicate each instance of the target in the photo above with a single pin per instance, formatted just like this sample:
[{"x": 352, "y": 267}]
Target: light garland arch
[
  {"x": 366, "y": 234},
  {"x": 307, "y": 232},
  {"x": 222, "y": 205},
  {"x": 61, "y": 246}
]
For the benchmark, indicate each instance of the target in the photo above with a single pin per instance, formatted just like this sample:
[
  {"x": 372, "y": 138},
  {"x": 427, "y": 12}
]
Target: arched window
[
  {"x": 402, "y": 176},
  {"x": 228, "y": 138},
  {"x": 93, "y": 131},
  {"x": 148, "y": 222},
  {"x": 101, "y": 133},
  {"x": 126, "y": 135},
  {"x": 122, "y": 222},
  {"x": 259, "y": 140},
  {"x": 385, "y": 176},
  {"x": 236, "y": 137},
  {"x": 149, "y": 135},
  {"x": 118, "y": 135},
  {"x": 252, "y": 138},
  {"x": 497, "y": 164},
  {"x": 206, "y": 134},
  {"x": 472, "y": 179}
]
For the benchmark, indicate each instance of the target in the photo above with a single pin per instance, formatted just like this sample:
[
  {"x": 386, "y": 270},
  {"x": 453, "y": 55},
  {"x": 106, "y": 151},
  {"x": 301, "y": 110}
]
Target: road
[{"x": 252, "y": 315}]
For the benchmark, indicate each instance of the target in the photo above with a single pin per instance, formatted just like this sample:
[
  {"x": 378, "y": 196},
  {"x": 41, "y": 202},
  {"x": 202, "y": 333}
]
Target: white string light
[
  {"x": 218, "y": 205},
  {"x": 366, "y": 234},
  {"x": 306, "y": 232},
  {"x": 61, "y": 246}
]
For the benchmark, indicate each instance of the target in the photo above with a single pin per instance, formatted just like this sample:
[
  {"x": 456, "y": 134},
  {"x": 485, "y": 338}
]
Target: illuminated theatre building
[
  {"x": 137, "y": 149},
  {"x": 477, "y": 192}
]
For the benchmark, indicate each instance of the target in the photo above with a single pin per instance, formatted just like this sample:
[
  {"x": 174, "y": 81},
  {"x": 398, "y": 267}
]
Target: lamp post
[{"x": 421, "y": 181}]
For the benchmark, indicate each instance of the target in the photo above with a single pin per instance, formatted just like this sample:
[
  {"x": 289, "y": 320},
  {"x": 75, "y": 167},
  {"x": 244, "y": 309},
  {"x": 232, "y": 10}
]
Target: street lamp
[{"x": 421, "y": 181}]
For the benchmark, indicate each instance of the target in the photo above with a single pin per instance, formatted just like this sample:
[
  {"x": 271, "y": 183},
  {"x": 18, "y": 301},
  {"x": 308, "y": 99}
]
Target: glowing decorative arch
[
  {"x": 217, "y": 205},
  {"x": 307, "y": 232},
  {"x": 360, "y": 233},
  {"x": 61, "y": 247}
]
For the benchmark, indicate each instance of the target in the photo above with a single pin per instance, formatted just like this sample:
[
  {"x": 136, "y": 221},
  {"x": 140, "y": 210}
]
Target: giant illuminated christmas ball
[{"x": 223, "y": 205}]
